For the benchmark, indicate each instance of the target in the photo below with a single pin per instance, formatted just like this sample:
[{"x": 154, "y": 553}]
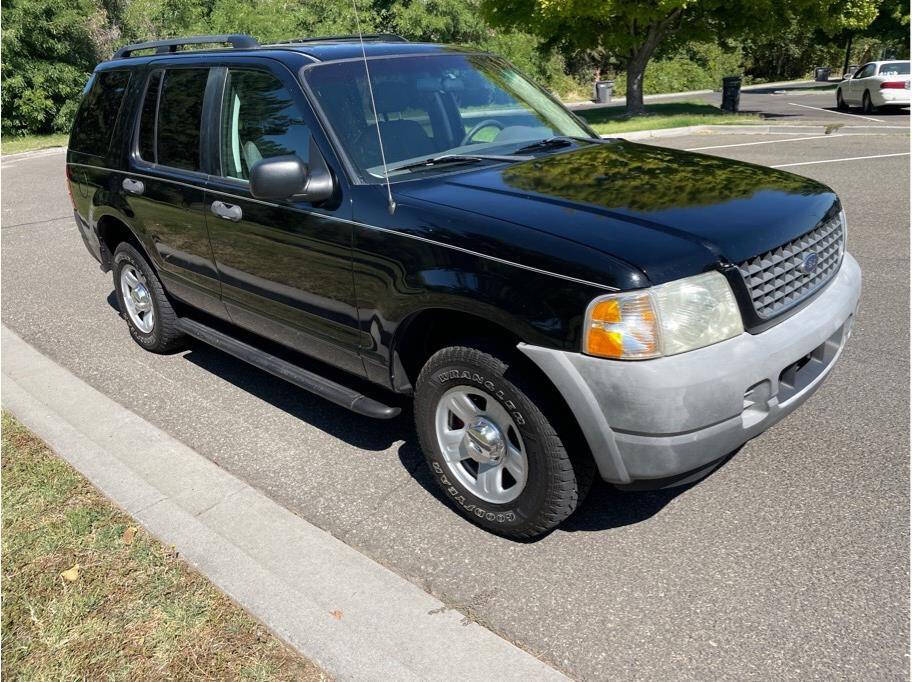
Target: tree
[
  {"x": 632, "y": 32},
  {"x": 48, "y": 53}
]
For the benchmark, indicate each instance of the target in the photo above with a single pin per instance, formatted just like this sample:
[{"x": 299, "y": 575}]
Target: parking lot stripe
[
  {"x": 840, "y": 113},
  {"x": 849, "y": 158},
  {"x": 748, "y": 144}
]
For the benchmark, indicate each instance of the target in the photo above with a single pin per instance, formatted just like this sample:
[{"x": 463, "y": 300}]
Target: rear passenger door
[
  {"x": 285, "y": 266},
  {"x": 165, "y": 185}
]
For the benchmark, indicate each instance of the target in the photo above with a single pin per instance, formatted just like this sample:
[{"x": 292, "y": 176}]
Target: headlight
[{"x": 664, "y": 320}]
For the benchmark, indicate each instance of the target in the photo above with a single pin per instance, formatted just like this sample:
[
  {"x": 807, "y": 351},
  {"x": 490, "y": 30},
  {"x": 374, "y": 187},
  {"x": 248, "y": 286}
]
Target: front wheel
[
  {"x": 840, "y": 102},
  {"x": 492, "y": 446}
]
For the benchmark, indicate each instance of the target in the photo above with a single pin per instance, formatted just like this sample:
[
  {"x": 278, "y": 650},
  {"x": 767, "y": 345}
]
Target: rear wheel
[
  {"x": 492, "y": 446},
  {"x": 840, "y": 102},
  {"x": 866, "y": 103},
  {"x": 148, "y": 312}
]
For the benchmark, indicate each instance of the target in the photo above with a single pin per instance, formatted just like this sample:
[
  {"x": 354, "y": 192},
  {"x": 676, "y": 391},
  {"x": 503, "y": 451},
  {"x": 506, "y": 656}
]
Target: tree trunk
[
  {"x": 639, "y": 57},
  {"x": 848, "y": 55},
  {"x": 635, "y": 70}
]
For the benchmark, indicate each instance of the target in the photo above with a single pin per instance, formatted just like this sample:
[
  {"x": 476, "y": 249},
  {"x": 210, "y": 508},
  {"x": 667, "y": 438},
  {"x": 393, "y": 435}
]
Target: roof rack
[
  {"x": 370, "y": 37},
  {"x": 236, "y": 40}
]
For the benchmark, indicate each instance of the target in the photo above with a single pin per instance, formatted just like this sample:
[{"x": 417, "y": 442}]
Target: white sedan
[{"x": 876, "y": 84}]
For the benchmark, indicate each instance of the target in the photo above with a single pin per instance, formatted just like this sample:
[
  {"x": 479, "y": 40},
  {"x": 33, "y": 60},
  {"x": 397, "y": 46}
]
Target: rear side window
[
  {"x": 97, "y": 115},
  {"x": 169, "y": 127}
]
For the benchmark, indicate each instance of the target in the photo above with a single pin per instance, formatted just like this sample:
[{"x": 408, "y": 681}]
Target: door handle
[
  {"x": 133, "y": 186},
  {"x": 230, "y": 212}
]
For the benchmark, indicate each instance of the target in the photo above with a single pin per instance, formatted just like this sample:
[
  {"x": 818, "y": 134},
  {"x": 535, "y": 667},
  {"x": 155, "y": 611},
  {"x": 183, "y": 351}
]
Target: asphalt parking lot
[
  {"x": 792, "y": 104},
  {"x": 790, "y": 561}
]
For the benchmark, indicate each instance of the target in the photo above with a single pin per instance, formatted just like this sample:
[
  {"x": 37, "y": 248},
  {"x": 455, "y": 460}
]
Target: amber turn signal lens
[{"x": 622, "y": 326}]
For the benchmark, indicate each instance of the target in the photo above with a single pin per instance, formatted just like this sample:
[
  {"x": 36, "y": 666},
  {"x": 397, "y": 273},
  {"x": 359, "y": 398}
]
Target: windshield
[
  {"x": 895, "y": 69},
  {"x": 434, "y": 105}
]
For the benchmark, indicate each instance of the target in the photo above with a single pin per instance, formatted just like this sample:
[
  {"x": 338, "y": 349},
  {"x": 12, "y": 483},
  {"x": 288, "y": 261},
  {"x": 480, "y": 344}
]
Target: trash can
[
  {"x": 603, "y": 91},
  {"x": 731, "y": 93},
  {"x": 822, "y": 74}
]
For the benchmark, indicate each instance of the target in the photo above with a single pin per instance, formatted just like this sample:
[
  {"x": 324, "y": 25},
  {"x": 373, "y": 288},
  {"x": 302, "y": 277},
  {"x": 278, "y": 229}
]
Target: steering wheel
[{"x": 487, "y": 123}]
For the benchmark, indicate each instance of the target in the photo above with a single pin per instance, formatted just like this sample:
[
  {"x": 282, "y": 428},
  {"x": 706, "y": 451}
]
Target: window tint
[
  {"x": 259, "y": 120},
  {"x": 180, "y": 111},
  {"x": 147, "y": 119},
  {"x": 868, "y": 70},
  {"x": 97, "y": 115}
]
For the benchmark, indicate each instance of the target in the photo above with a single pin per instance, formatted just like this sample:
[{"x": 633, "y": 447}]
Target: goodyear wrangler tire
[
  {"x": 143, "y": 303},
  {"x": 491, "y": 446}
]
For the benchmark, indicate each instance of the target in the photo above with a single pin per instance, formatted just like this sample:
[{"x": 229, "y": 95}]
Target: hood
[{"x": 667, "y": 212}]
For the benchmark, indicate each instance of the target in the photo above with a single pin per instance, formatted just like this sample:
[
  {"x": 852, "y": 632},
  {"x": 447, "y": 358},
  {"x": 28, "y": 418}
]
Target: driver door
[
  {"x": 285, "y": 266},
  {"x": 858, "y": 83}
]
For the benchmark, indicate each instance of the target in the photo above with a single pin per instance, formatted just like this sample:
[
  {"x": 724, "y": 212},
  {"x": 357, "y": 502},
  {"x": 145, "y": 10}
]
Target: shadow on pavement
[{"x": 605, "y": 507}]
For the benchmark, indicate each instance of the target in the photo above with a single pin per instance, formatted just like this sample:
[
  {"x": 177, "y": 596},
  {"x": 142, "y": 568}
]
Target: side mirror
[{"x": 284, "y": 177}]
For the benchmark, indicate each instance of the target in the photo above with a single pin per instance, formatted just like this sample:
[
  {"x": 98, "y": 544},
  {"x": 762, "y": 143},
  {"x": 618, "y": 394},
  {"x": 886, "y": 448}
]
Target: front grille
[{"x": 777, "y": 279}]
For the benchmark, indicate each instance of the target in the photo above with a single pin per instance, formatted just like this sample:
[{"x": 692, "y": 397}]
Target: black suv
[{"x": 422, "y": 220}]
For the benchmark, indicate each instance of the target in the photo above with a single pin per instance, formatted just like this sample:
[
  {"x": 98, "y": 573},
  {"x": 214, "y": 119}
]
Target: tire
[
  {"x": 866, "y": 104},
  {"x": 157, "y": 332},
  {"x": 840, "y": 102},
  {"x": 555, "y": 483}
]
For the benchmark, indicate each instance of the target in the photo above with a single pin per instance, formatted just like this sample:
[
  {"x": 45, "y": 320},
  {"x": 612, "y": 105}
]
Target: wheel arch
[
  {"x": 111, "y": 231},
  {"x": 426, "y": 331}
]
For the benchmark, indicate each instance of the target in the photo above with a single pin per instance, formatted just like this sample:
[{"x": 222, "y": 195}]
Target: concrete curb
[
  {"x": 355, "y": 618},
  {"x": 46, "y": 151}
]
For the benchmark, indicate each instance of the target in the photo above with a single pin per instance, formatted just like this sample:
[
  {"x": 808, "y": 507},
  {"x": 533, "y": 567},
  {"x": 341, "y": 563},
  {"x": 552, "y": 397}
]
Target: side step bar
[{"x": 321, "y": 386}]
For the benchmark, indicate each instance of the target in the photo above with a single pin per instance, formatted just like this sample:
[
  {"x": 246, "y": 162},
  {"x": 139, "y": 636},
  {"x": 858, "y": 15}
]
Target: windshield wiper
[
  {"x": 455, "y": 159},
  {"x": 553, "y": 143}
]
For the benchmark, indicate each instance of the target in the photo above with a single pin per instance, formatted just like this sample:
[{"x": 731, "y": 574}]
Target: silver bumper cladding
[{"x": 658, "y": 418}]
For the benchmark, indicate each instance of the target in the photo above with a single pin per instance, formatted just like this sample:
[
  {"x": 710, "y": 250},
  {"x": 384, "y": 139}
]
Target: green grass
[
  {"x": 133, "y": 611},
  {"x": 661, "y": 115},
  {"x": 28, "y": 143}
]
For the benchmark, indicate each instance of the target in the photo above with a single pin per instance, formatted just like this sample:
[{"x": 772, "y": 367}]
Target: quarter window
[
  {"x": 97, "y": 116},
  {"x": 259, "y": 120}
]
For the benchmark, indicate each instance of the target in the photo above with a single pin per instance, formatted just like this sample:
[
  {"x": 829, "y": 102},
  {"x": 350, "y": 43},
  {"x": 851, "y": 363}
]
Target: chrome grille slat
[{"x": 775, "y": 279}]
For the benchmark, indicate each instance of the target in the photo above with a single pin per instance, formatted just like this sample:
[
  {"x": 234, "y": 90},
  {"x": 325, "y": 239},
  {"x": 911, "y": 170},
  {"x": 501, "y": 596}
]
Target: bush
[
  {"x": 700, "y": 66},
  {"x": 48, "y": 54}
]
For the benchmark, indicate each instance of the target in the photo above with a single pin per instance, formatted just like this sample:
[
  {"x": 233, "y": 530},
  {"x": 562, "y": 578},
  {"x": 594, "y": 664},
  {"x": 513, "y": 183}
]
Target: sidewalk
[
  {"x": 619, "y": 101},
  {"x": 350, "y": 615}
]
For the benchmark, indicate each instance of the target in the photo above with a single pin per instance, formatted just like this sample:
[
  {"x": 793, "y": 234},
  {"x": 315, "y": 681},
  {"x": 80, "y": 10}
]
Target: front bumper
[{"x": 655, "y": 419}]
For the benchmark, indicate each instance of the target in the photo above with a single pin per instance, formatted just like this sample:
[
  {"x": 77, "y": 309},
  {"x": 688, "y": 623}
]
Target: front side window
[
  {"x": 172, "y": 112},
  {"x": 867, "y": 70},
  {"x": 434, "y": 105},
  {"x": 259, "y": 120},
  {"x": 97, "y": 115}
]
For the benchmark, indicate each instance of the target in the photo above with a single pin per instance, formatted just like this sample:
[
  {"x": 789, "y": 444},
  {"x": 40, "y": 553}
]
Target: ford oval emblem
[{"x": 809, "y": 263}]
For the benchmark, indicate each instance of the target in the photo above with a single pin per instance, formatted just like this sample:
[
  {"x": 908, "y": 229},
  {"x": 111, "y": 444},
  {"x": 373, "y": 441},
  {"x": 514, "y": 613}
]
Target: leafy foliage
[
  {"x": 633, "y": 32},
  {"x": 51, "y": 46},
  {"x": 49, "y": 50}
]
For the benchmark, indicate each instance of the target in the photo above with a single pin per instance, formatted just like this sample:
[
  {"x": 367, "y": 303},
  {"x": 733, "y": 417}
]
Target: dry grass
[
  {"x": 135, "y": 612},
  {"x": 13, "y": 145}
]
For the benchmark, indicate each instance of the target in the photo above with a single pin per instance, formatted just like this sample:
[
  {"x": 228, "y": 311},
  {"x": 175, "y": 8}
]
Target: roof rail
[
  {"x": 236, "y": 40},
  {"x": 372, "y": 37}
]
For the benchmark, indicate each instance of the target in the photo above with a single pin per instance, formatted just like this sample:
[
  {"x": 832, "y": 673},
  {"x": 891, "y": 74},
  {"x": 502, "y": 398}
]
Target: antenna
[{"x": 389, "y": 192}]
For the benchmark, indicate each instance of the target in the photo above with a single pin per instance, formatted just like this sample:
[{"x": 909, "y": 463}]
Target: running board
[{"x": 319, "y": 385}]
